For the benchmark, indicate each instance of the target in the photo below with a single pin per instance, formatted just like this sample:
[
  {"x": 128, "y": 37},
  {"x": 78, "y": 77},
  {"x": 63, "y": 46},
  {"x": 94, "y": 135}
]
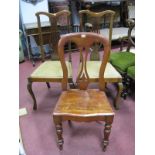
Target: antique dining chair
[
  {"x": 124, "y": 61},
  {"x": 83, "y": 104},
  {"x": 50, "y": 71},
  {"x": 96, "y": 22}
]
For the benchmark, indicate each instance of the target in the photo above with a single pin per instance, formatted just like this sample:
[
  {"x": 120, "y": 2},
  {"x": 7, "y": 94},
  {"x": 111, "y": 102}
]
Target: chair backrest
[
  {"x": 53, "y": 32},
  {"x": 96, "y": 21},
  {"x": 131, "y": 42},
  {"x": 83, "y": 41}
]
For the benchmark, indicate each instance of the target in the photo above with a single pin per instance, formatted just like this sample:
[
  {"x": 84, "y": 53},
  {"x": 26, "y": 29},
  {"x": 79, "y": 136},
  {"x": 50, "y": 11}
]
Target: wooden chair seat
[
  {"x": 83, "y": 103},
  {"x": 51, "y": 70},
  {"x": 110, "y": 75}
]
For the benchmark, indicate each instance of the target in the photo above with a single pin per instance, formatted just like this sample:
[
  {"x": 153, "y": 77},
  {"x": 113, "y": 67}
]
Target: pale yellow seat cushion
[
  {"x": 111, "y": 73},
  {"x": 117, "y": 33},
  {"x": 51, "y": 69}
]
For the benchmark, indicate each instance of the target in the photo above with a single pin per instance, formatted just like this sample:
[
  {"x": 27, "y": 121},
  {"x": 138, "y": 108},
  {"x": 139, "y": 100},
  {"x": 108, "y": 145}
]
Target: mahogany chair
[
  {"x": 83, "y": 104},
  {"x": 111, "y": 74},
  {"x": 49, "y": 71}
]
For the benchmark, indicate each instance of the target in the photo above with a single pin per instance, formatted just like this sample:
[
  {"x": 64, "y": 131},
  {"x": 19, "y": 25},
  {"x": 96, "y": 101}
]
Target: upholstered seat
[
  {"x": 111, "y": 73},
  {"x": 51, "y": 69},
  {"x": 117, "y": 33},
  {"x": 131, "y": 72},
  {"x": 122, "y": 60}
]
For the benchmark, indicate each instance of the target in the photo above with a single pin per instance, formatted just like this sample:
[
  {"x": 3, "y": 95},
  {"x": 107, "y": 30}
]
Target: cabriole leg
[{"x": 29, "y": 88}]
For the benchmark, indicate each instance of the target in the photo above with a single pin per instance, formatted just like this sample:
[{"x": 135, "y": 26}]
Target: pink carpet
[{"x": 38, "y": 130}]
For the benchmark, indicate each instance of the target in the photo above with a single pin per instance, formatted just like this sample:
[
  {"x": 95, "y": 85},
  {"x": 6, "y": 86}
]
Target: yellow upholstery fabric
[
  {"x": 117, "y": 32},
  {"x": 93, "y": 70},
  {"x": 51, "y": 69}
]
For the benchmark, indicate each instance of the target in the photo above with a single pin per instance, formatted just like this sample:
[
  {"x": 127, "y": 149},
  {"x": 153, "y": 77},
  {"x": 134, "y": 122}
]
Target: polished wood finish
[
  {"x": 84, "y": 41},
  {"x": 77, "y": 102},
  {"x": 83, "y": 104}
]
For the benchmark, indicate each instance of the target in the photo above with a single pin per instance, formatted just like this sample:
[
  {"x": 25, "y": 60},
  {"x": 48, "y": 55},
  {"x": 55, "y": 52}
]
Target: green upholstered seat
[
  {"x": 110, "y": 72},
  {"x": 51, "y": 69},
  {"x": 122, "y": 60},
  {"x": 131, "y": 72}
]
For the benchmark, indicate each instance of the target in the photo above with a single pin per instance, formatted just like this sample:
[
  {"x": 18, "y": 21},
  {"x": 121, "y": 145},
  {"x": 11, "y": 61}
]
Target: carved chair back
[
  {"x": 83, "y": 41},
  {"x": 131, "y": 42},
  {"x": 54, "y": 31},
  {"x": 96, "y": 21}
]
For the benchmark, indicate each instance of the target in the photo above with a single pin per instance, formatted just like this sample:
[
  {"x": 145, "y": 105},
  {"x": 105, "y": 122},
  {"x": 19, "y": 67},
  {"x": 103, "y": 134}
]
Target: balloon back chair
[{"x": 83, "y": 104}]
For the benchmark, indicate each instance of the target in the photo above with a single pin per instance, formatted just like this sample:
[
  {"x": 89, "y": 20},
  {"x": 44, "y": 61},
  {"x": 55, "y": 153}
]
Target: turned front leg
[
  {"x": 59, "y": 131},
  {"x": 117, "y": 100},
  {"x": 107, "y": 130},
  {"x": 29, "y": 88}
]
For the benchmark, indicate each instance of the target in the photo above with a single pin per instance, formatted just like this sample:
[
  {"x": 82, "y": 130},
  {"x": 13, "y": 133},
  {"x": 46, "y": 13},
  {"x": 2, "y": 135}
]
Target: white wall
[{"x": 28, "y": 11}]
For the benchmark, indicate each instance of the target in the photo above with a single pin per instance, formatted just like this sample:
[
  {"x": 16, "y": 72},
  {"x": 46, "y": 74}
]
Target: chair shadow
[{"x": 84, "y": 130}]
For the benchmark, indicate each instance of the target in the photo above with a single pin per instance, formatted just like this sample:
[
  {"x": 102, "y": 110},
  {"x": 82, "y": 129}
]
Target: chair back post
[
  {"x": 112, "y": 14},
  {"x": 40, "y": 36},
  {"x": 131, "y": 24},
  {"x": 54, "y": 32},
  {"x": 83, "y": 40}
]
